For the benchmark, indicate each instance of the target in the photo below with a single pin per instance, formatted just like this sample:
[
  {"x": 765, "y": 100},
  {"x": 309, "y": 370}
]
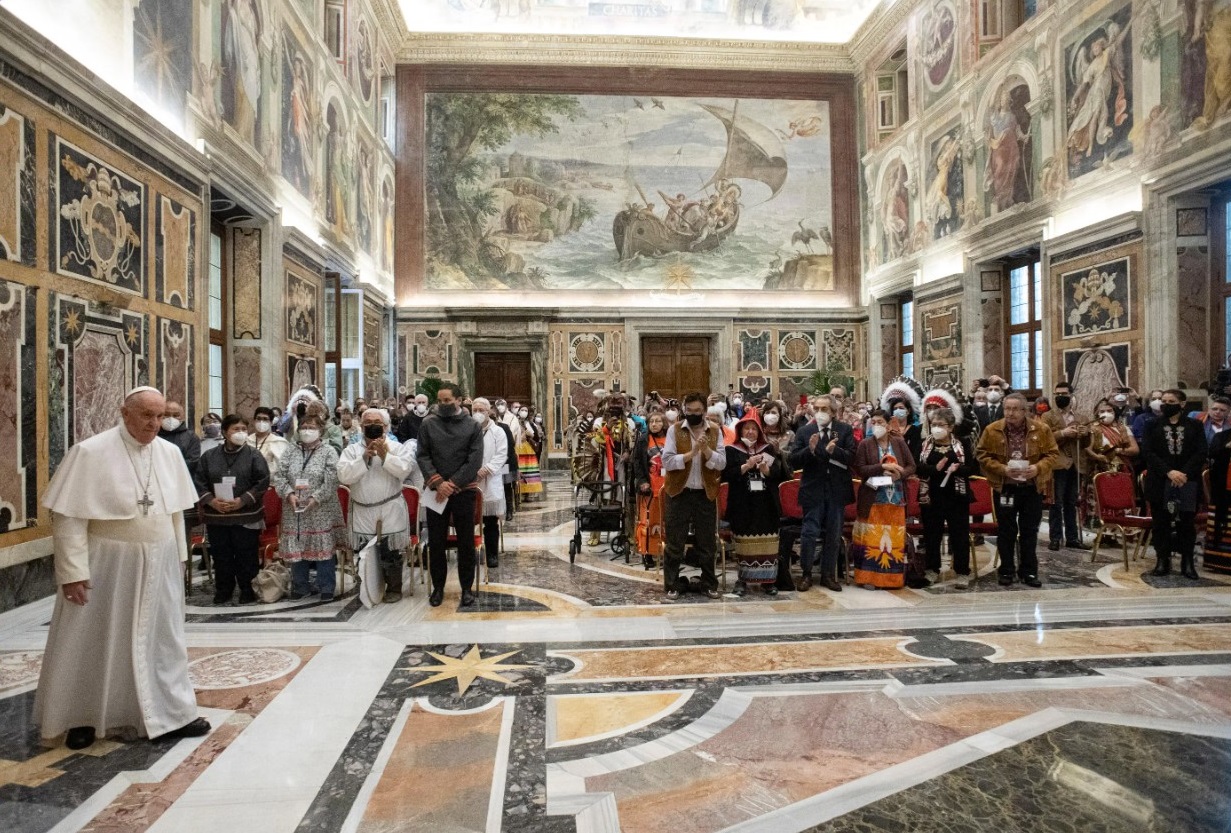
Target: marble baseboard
[{"x": 27, "y": 582}]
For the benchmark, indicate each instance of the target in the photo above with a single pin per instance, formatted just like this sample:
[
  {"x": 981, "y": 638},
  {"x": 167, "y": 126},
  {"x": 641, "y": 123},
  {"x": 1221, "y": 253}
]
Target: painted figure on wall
[
  {"x": 297, "y": 109},
  {"x": 1100, "y": 95},
  {"x": 938, "y": 46},
  {"x": 365, "y": 60},
  {"x": 1094, "y": 372},
  {"x": 1205, "y": 70},
  {"x": 1009, "y": 174},
  {"x": 946, "y": 194},
  {"x": 386, "y": 211},
  {"x": 239, "y": 95},
  {"x": 337, "y": 171},
  {"x": 366, "y": 198},
  {"x": 895, "y": 211}
]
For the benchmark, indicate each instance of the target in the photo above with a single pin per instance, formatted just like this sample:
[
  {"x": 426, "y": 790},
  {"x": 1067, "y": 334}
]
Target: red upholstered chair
[
  {"x": 267, "y": 544},
  {"x": 788, "y": 500},
  {"x": 1116, "y": 504},
  {"x": 982, "y": 506},
  {"x": 850, "y": 514},
  {"x": 914, "y": 514},
  {"x": 346, "y": 555}
]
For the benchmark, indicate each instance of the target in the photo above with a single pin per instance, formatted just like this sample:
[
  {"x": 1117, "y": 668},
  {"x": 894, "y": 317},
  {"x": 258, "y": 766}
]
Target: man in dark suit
[
  {"x": 1174, "y": 450},
  {"x": 994, "y": 409},
  {"x": 823, "y": 449}
]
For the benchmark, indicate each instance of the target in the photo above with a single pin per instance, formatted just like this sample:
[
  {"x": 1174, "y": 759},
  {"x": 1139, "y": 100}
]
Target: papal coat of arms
[{"x": 97, "y": 238}]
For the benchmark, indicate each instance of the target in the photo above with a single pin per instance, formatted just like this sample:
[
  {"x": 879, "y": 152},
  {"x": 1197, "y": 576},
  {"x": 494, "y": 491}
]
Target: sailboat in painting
[{"x": 754, "y": 152}]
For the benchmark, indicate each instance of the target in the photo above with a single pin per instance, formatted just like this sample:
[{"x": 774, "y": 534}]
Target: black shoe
[
  {"x": 391, "y": 596},
  {"x": 245, "y": 601},
  {"x": 79, "y": 737},
  {"x": 740, "y": 588},
  {"x": 195, "y": 729},
  {"x": 219, "y": 602},
  {"x": 294, "y": 597},
  {"x": 1077, "y": 545},
  {"x": 467, "y": 598},
  {"x": 1005, "y": 581},
  {"x": 1054, "y": 546},
  {"x": 438, "y": 596},
  {"x": 493, "y": 562},
  {"x": 1031, "y": 581},
  {"x": 771, "y": 590},
  {"x": 1162, "y": 567},
  {"x": 831, "y": 584},
  {"x": 1188, "y": 569}
]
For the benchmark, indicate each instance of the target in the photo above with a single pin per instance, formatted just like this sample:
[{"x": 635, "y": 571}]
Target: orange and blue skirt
[
  {"x": 878, "y": 547},
  {"x": 528, "y": 469}
]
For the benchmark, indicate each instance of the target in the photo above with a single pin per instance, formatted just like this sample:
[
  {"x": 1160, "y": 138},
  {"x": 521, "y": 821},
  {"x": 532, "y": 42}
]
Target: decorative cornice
[
  {"x": 593, "y": 50},
  {"x": 872, "y": 34}
]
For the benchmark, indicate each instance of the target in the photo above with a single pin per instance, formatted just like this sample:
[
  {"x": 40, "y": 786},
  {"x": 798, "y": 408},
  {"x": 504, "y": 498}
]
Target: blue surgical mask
[{"x": 899, "y": 413}]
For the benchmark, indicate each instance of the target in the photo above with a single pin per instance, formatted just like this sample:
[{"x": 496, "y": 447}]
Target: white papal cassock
[{"x": 120, "y": 660}]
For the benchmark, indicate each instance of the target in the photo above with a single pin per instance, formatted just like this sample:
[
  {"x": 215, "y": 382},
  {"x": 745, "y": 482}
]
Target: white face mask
[
  {"x": 523, "y": 413},
  {"x": 598, "y": 422},
  {"x": 736, "y": 402},
  {"x": 1120, "y": 398},
  {"x": 421, "y": 410},
  {"x": 309, "y": 435},
  {"x": 939, "y": 432},
  {"x": 1107, "y": 418},
  {"x": 480, "y": 417},
  {"x": 722, "y": 406},
  {"x": 262, "y": 426},
  {"x": 899, "y": 413},
  {"x": 170, "y": 424},
  {"x": 239, "y": 438},
  {"x": 824, "y": 418},
  {"x": 771, "y": 419},
  {"x": 1156, "y": 405},
  {"x": 879, "y": 431},
  {"x": 993, "y": 396},
  {"x": 500, "y": 409},
  {"x": 673, "y": 416},
  {"x": 750, "y": 442},
  {"x": 538, "y": 419}
]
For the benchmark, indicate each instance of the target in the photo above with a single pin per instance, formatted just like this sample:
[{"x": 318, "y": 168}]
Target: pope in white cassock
[
  {"x": 116, "y": 655},
  {"x": 374, "y": 471}
]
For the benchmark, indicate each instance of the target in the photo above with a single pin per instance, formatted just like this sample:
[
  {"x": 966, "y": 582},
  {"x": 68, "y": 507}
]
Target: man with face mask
[
  {"x": 374, "y": 471},
  {"x": 1175, "y": 452},
  {"x": 174, "y": 431},
  {"x": 408, "y": 427},
  {"x": 824, "y": 449},
  {"x": 693, "y": 459},
  {"x": 509, "y": 418},
  {"x": 993, "y": 410},
  {"x": 1071, "y": 434},
  {"x": 491, "y": 480},
  {"x": 211, "y": 432},
  {"x": 450, "y": 455}
]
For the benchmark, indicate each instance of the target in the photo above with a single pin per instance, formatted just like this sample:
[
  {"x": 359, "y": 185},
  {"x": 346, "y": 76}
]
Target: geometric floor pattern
[{"x": 572, "y": 698}]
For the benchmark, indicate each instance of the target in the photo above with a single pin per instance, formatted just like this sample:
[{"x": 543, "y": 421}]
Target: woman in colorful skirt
[
  {"x": 754, "y": 471},
  {"x": 307, "y": 481},
  {"x": 531, "y": 487},
  {"x": 1216, "y": 554},
  {"x": 878, "y": 546},
  {"x": 648, "y": 480}
]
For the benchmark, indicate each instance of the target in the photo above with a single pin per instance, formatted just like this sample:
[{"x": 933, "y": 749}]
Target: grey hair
[
  {"x": 944, "y": 415},
  {"x": 382, "y": 413},
  {"x": 479, "y": 399},
  {"x": 1016, "y": 395}
]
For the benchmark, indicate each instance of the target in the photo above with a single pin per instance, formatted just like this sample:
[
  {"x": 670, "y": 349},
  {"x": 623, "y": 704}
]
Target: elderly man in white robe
[
  {"x": 491, "y": 478},
  {"x": 374, "y": 471},
  {"x": 116, "y": 657}
]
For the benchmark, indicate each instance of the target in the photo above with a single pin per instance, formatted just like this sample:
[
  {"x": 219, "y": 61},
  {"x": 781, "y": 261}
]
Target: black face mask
[
  {"x": 447, "y": 410},
  {"x": 694, "y": 419},
  {"x": 373, "y": 432},
  {"x": 1171, "y": 409},
  {"x": 1062, "y": 401}
]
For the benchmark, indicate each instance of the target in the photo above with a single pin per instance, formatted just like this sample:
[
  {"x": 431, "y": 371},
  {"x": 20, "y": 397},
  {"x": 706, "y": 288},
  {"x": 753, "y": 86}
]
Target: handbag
[{"x": 272, "y": 582}]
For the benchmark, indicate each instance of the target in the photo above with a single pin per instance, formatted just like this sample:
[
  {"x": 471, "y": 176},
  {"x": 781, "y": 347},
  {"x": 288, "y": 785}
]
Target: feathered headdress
[
  {"x": 906, "y": 389},
  {"x": 947, "y": 396}
]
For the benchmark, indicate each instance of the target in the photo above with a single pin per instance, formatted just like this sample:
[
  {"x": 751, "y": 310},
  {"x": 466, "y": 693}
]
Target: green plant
[
  {"x": 822, "y": 381},
  {"x": 429, "y": 386}
]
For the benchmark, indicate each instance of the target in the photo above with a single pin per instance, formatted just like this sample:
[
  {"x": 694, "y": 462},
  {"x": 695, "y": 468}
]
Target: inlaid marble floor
[{"x": 571, "y": 698}]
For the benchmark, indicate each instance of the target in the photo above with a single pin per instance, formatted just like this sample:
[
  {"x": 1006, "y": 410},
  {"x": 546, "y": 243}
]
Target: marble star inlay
[{"x": 467, "y": 669}]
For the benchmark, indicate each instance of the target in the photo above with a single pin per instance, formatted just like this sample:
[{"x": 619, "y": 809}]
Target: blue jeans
[
  {"x": 822, "y": 520},
  {"x": 326, "y": 577}
]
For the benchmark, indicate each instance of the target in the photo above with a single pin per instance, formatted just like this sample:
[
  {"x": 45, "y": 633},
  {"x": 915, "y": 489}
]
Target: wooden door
[
  {"x": 675, "y": 365},
  {"x": 503, "y": 376}
]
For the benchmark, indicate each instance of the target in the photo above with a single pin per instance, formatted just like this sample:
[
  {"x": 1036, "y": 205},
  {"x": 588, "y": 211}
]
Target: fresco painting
[
  {"x": 556, "y": 192},
  {"x": 1205, "y": 63},
  {"x": 1008, "y": 174},
  {"x": 945, "y": 200},
  {"x": 239, "y": 90},
  {"x": 1099, "y": 93},
  {"x": 299, "y": 114}
]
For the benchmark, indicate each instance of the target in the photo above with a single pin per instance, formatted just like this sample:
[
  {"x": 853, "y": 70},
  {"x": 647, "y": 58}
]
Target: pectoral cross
[{"x": 145, "y": 503}]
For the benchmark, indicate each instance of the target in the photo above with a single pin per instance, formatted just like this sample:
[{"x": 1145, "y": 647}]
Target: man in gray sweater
[{"x": 450, "y": 453}]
